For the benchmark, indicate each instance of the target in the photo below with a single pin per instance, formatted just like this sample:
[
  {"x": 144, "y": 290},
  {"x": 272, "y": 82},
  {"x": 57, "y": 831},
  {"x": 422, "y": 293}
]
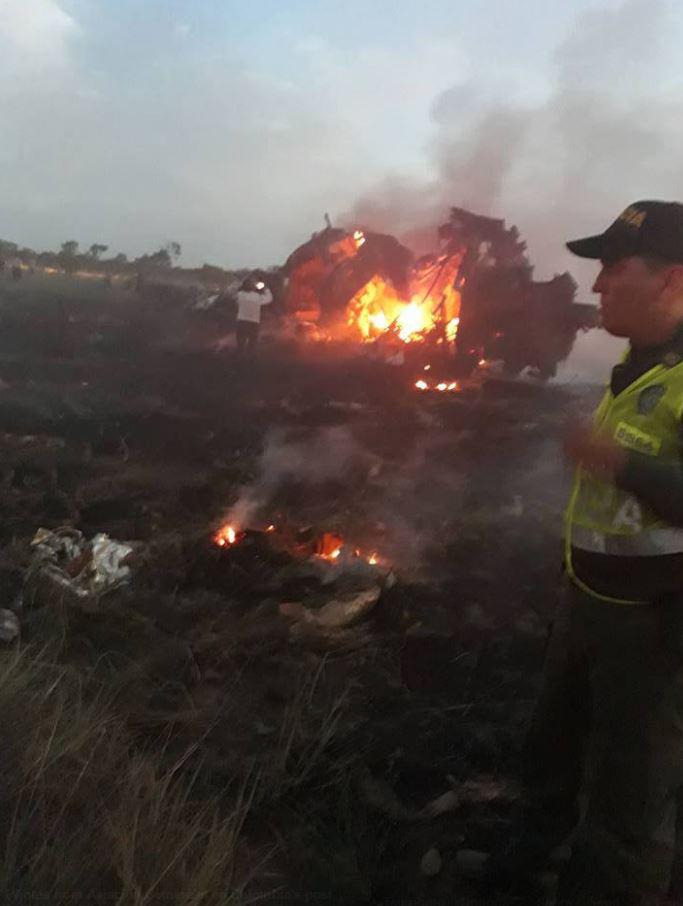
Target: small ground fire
[
  {"x": 441, "y": 386},
  {"x": 226, "y": 536},
  {"x": 328, "y": 546}
]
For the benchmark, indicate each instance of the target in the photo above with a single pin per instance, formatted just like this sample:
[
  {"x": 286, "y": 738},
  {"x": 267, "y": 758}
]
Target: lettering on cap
[{"x": 633, "y": 217}]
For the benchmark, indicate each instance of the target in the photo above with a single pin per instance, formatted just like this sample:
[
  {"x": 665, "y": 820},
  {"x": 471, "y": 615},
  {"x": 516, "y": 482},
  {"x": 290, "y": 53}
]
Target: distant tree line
[{"x": 71, "y": 259}]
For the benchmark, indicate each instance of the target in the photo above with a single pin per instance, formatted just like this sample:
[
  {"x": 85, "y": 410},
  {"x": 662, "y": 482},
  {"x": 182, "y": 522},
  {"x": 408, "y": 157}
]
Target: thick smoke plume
[{"x": 608, "y": 131}]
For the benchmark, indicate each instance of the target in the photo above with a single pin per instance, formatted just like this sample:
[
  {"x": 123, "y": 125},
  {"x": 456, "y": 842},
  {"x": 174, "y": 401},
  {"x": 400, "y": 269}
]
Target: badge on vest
[
  {"x": 637, "y": 440},
  {"x": 648, "y": 398}
]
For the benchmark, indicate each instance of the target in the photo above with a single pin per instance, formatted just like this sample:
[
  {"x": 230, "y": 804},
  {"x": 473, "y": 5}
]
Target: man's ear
[
  {"x": 672, "y": 283},
  {"x": 673, "y": 279}
]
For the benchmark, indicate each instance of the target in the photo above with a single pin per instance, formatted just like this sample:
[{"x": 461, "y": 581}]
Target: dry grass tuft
[{"x": 85, "y": 817}]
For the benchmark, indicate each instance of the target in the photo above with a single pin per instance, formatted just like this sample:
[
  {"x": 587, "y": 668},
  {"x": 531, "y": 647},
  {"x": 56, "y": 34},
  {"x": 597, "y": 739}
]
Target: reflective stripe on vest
[
  {"x": 653, "y": 543},
  {"x": 601, "y": 517}
]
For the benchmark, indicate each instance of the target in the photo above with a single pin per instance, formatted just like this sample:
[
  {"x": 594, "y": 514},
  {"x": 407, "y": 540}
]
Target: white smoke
[
  {"x": 309, "y": 460},
  {"x": 400, "y": 503}
]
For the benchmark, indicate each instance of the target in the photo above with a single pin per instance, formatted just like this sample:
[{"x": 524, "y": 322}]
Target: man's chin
[{"x": 615, "y": 330}]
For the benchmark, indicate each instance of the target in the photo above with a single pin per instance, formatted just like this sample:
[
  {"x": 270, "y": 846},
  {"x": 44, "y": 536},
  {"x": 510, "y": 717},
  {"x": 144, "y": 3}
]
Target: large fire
[{"x": 377, "y": 308}]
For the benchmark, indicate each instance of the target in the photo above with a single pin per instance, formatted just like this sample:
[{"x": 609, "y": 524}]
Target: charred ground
[{"x": 298, "y": 759}]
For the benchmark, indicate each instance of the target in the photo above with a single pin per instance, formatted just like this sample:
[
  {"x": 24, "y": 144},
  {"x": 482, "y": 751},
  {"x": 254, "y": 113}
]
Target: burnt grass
[{"x": 118, "y": 416}]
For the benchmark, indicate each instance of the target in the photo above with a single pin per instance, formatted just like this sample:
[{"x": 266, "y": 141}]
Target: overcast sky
[{"x": 231, "y": 127}]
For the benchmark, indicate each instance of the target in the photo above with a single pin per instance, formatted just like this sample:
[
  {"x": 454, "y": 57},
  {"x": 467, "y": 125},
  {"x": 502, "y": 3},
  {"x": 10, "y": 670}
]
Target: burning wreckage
[
  {"x": 471, "y": 302},
  {"x": 274, "y": 640}
]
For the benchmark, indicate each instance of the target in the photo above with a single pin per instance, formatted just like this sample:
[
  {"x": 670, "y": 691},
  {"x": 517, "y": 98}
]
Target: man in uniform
[{"x": 604, "y": 755}]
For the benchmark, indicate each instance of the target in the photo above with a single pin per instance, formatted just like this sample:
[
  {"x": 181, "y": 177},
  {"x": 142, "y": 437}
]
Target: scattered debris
[
  {"x": 10, "y": 628},
  {"x": 431, "y": 863},
  {"x": 348, "y": 610},
  {"x": 348, "y": 564},
  {"x": 205, "y": 301},
  {"x": 380, "y": 795},
  {"x": 109, "y": 565},
  {"x": 336, "y": 614},
  {"x": 203, "y": 646},
  {"x": 65, "y": 560},
  {"x": 448, "y": 802}
]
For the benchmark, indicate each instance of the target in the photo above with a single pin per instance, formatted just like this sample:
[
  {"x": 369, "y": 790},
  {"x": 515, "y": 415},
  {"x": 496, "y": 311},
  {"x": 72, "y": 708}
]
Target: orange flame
[
  {"x": 329, "y": 546},
  {"x": 452, "y": 329},
  {"x": 226, "y": 536},
  {"x": 442, "y": 386},
  {"x": 378, "y": 308}
]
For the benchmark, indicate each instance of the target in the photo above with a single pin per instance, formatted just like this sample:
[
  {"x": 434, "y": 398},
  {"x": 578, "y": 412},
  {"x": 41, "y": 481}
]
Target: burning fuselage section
[
  {"x": 475, "y": 298},
  {"x": 328, "y": 271},
  {"x": 432, "y": 303}
]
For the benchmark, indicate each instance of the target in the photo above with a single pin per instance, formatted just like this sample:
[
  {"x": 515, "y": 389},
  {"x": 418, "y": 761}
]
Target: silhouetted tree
[
  {"x": 174, "y": 249},
  {"x": 69, "y": 248},
  {"x": 68, "y": 256}
]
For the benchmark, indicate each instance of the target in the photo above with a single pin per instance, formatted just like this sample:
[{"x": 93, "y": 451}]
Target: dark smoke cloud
[{"x": 478, "y": 164}]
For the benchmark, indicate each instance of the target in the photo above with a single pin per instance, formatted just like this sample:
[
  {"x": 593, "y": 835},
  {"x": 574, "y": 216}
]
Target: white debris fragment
[
  {"x": 84, "y": 568},
  {"x": 448, "y": 802},
  {"x": 431, "y": 863},
  {"x": 9, "y": 626},
  {"x": 336, "y": 614},
  {"x": 108, "y": 566},
  {"x": 349, "y": 609}
]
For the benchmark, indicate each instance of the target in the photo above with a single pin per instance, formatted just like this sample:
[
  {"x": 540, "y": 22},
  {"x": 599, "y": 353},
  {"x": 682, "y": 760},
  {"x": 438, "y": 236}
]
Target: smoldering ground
[{"x": 408, "y": 490}]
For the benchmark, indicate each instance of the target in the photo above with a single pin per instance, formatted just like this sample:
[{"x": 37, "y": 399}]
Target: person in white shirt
[{"x": 251, "y": 297}]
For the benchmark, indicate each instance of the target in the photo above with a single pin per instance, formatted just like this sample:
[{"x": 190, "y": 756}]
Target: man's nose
[{"x": 599, "y": 285}]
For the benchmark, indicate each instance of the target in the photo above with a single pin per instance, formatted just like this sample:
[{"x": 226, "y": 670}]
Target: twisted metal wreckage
[{"x": 475, "y": 296}]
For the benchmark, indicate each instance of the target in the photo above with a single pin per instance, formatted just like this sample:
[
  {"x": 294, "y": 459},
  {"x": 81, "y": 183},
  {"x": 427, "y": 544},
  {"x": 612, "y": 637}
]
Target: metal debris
[
  {"x": 336, "y": 614},
  {"x": 82, "y": 568}
]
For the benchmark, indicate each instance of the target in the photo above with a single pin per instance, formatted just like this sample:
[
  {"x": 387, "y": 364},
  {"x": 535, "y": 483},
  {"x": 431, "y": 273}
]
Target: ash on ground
[{"x": 356, "y": 698}]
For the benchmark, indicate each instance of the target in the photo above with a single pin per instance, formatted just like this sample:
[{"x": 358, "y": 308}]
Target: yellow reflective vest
[{"x": 602, "y": 518}]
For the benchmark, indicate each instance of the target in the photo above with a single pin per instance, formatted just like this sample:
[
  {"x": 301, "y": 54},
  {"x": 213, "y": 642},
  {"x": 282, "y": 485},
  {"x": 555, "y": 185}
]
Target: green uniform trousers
[{"x": 604, "y": 755}]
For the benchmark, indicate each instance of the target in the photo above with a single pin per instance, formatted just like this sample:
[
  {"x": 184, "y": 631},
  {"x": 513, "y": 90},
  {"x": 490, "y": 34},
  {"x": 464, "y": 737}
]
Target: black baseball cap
[{"x": 644, "y": 228}]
